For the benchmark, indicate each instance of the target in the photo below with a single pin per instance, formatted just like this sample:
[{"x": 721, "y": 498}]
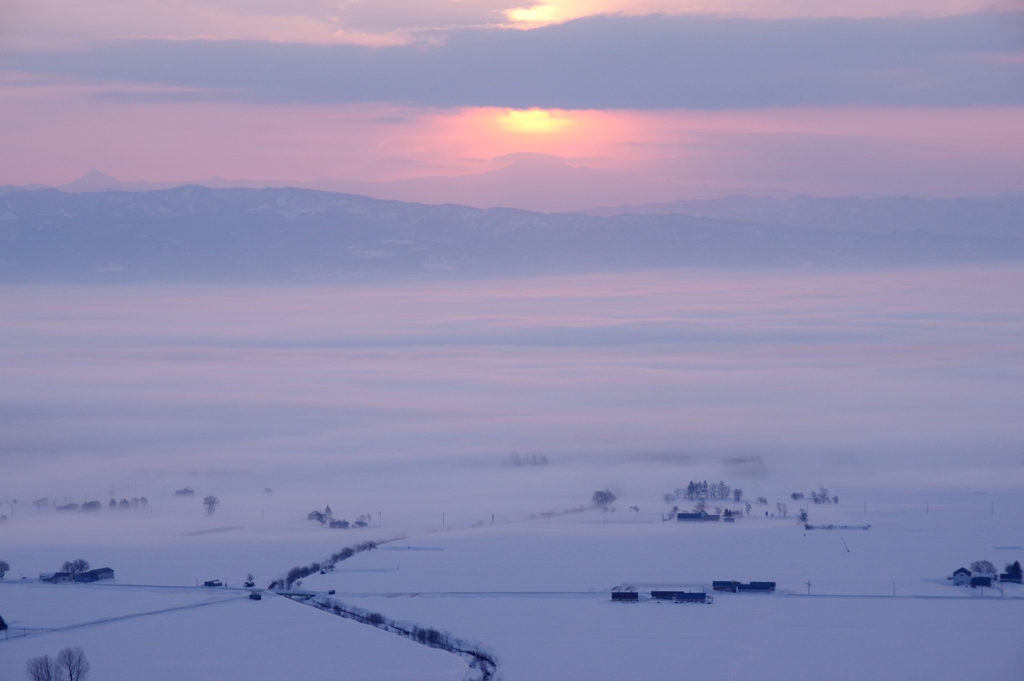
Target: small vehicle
[
  {"x": 331, "y": 592},
  {"x": 255, "y": 597},
  {"x": 213, "y": 582},
  {"x": 249, "y": 584}
]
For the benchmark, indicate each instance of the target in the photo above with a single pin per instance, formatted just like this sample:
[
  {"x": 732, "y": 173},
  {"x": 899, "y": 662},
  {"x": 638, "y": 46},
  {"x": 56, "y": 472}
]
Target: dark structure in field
[
  {"x": 735, "y": 587},
  {"x": 681, "y": 596},
  {"x": 94, "y": 575},
  {"x": 698, "y": 516},
  {"x": 55, "y": 577},
  {"x": 629, "y": 596}
]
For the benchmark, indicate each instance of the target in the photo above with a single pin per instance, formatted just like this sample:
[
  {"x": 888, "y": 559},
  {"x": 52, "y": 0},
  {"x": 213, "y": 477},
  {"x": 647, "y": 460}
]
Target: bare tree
[
  {"x": 41, "y": 669},
  {"x": 75, "y": 567},
  {"x": 211, "y": 502},
  {"x": 737, "y": 495},
  {"x": 984, "y": 567},
  {"x": 72, "y": 665},
  {"x": 4, "y": 567},
  {"x": 603, "y": 498}
]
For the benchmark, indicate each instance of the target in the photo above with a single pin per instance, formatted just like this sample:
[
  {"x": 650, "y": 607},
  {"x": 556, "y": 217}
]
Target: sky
[{"x": 663, "y": 99}]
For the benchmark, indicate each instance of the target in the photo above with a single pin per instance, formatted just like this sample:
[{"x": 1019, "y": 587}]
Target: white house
[{"x": 961, "y": 577}]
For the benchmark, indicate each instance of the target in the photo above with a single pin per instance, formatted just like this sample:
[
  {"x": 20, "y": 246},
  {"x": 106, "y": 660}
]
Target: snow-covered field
[
  {"x": 535, "y": 592},
  {"x": 409, "y": 405},
  {"x": 144, "y": 633}
]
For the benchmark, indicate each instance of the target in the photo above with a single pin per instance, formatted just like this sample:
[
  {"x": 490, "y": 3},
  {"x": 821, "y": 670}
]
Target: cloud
[{"x": 604, "y": 62}]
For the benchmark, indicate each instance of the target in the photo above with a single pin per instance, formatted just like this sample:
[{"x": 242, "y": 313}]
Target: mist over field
[{"x": 419, "y": 393}]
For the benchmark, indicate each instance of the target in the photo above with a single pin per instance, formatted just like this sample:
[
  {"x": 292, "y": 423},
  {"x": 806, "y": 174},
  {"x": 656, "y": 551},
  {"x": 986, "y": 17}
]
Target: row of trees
[
  {"x": 297, "y": 573},
  {"x": 822, "y": 496},
  {"x": 702, "y": 490},
  {"x": 69, "y": 665}
]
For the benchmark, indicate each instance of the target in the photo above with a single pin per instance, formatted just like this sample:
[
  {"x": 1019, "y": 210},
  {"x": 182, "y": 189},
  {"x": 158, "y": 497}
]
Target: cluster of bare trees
[
  {"x": 75, "y": 567},
  {"x": 69, "y": 665},
  {"x": 702, "y": 490},
  {"x": 4, "y": 567}
]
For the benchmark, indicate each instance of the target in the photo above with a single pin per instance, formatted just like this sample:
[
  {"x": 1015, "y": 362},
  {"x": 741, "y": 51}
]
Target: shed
[
  {"x": 962, "y": 577},
  {"x": 1006, "y": 577},
  {"x": 625, "y": 596},
  {"x": 760, "y": 587},
  {"x": 697, "y": 516},
  {"x": 725, "y": 586},
  {"x": 94, "y": 575},
  {"x": 55, "y": 577},
  {"x": 691, "y": 597}
]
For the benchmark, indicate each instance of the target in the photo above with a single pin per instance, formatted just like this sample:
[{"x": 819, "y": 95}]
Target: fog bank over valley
[{"x": 424, "y": 391}]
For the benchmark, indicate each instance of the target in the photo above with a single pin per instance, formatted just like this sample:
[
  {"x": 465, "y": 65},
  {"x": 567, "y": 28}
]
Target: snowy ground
[
  {"x": 145, "y": 633},
  {"x": 536, "y": 593},
  {"x": 900, "y": 391}
]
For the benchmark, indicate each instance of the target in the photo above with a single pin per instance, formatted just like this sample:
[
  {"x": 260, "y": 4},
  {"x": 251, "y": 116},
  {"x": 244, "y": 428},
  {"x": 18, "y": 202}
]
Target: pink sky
[{"x": 55, "y": 126}]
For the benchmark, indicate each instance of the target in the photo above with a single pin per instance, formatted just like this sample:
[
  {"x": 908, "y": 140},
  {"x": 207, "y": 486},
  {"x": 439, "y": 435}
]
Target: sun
[{"x": 533, "y": 121}]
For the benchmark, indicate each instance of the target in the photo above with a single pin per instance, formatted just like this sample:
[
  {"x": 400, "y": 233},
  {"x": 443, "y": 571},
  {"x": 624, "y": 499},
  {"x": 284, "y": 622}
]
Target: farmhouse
[
  {"x": 94, "y": 575},
  {"x": 54, "y": 577},
  {"x": 962, "y": 577},
  {"x": 697, "y": 516}
]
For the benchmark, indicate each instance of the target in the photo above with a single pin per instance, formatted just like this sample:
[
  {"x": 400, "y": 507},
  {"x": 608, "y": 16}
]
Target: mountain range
[{"x": 200, "y": 234}]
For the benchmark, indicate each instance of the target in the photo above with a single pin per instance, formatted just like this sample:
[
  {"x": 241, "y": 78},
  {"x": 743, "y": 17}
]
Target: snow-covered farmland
[
  {"x": 535, "y": 592},
  {"x": 146, "y": 633}
]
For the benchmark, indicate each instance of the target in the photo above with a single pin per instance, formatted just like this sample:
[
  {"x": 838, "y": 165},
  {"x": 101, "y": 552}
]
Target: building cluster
[
  {"x": 86, "y": 577},
  {"x": 964, "y": 577},
  {"x": 630, "y": 594},
  {"x": 703, "y": 516},
  {"x": 326, "y": 517}
]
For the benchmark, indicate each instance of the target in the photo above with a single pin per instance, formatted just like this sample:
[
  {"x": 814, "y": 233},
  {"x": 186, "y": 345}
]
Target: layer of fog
[{"x": 413, "y": 397}]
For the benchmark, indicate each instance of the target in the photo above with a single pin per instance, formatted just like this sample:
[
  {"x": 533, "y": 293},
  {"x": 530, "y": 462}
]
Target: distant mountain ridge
[
  {"x": 198, "y": 234},
  {"x": 1000, "y": 217}
]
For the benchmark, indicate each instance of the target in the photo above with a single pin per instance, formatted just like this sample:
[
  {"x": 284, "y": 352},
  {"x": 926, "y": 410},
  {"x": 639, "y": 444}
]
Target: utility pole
[
  {"x": 808, "y": 587},
  {"x": 442, "y": 520}
]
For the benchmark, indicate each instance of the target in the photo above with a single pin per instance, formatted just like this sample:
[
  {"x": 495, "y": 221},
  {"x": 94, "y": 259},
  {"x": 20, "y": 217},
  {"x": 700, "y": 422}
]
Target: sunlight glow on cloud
[{"x": 534, "y": 121}]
